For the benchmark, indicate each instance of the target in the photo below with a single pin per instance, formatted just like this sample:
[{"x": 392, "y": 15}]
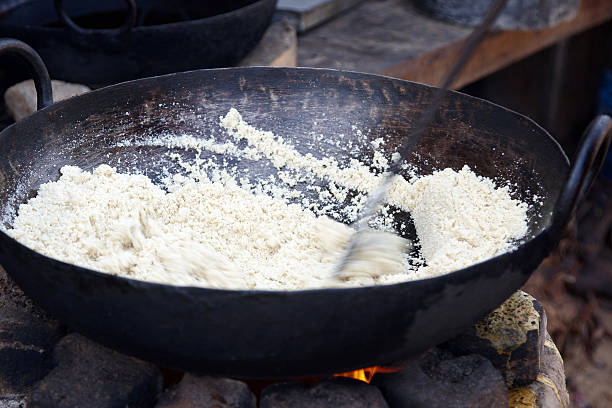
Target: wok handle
[
  {"x": 129, "y": 23},
  {"x": 42, "y": 82},
  {"x": 588, "y": 161}
]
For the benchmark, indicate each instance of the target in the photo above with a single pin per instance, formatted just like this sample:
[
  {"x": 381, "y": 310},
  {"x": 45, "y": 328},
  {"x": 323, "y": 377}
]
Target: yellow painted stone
[
  {"x": 549, "y": 383},
  {"x": 506, "y": 327},
  {"x": 552, "y": 346},
  {"x": 520, "y": 397}
]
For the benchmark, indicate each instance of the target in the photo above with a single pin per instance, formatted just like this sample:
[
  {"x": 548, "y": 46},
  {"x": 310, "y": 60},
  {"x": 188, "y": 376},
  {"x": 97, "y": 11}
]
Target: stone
[
  {"x": 195, "y": 392},
  {"x": 87, "y": 374},
  {"x": 13, "y": 401},
  {"x": 20, "y": 99},
  {"x": 548, "y": 390},
  {"x": 338, "y": 392},
  {"x": 511, "y": 337},
  {"x": 27, "y": 335},
  {"x": 439, "y": 379}
]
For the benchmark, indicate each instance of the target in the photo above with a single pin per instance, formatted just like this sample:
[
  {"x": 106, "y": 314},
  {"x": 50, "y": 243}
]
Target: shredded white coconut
[
  {"x": 200, "y": 233},
  {"x": 216, "y": 228}
]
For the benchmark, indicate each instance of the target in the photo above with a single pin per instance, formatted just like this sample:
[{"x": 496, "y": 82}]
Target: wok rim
[
  {"x": 140, "y": 29},
  {"x": 462, "y": 274}
]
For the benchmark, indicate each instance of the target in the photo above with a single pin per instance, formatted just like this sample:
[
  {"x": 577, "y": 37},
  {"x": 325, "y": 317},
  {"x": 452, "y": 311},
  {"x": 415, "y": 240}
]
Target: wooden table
[{"x": 390, "y": 37}]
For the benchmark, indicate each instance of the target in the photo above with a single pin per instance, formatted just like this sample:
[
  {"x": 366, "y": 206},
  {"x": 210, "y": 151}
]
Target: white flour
[{"x": 218, "y": 231}]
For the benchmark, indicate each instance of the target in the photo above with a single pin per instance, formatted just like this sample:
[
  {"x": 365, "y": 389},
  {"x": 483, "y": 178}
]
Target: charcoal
[
  {"x": 337, "y": 392},
  {"x": 89, "y": 375},
  {"x": 439, "y": 379},
  {"x": 195, "y": 392}
]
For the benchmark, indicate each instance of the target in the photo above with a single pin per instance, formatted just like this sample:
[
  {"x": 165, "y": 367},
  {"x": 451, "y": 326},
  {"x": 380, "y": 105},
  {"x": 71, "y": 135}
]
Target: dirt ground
[
  {"x": 575, "y": 286},
  {"x": 589, "y": 378}
]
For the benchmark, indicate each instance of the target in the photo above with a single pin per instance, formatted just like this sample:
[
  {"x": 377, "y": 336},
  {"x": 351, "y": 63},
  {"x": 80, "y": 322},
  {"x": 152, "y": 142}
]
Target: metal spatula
[{"x": 361, "y": 246}]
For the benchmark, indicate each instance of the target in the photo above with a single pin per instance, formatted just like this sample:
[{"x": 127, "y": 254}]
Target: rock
[
  {"x": 439, "y": 379},
  {"x": 27, "y": 335},
  {"x": 548, "y": 390},
  {"x": 89, "y": 375},
  {"x": 20, "y": 99},
  {"x": 336, "y": 392},
  {"x": 511, "y": 337},
  {"x": 13, "y": 401},
  {"x": 195, "y": 392}
]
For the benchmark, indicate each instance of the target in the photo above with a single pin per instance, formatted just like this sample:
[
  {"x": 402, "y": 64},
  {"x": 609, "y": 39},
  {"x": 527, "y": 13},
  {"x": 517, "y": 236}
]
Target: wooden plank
[
  {"x": 499, "y": 50},
  {"x": 392, "y": 38},
  {"x": 308, "y": 14},
  {"x": 277, "y": 48},
  {"x": 373, "y": 36}
]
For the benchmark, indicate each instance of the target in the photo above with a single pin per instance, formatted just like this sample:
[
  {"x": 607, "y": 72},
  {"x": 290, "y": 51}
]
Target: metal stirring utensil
[{"x": 376, "y": 197}]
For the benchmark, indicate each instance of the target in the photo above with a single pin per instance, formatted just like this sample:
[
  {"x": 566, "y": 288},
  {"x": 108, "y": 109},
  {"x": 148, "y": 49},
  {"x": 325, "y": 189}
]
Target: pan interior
[{"x": 323, "y": 113}]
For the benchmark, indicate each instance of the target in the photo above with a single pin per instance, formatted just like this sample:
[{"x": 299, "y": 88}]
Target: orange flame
[{"x": 366, "y": 374}]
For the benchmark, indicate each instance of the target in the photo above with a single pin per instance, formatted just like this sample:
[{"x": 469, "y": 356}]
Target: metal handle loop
[
  {"x": 129, "y": 23},
  {"x": 42, "y": 82},
  {"x": 588, "y": 161}
]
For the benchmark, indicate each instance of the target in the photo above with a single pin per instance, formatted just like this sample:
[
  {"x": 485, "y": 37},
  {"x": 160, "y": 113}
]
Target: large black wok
[
  {"x": 156, "y": 36},
  {"x": 249, "y": 333}
]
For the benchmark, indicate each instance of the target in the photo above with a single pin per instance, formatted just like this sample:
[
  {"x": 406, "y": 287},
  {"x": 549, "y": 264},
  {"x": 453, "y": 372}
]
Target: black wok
[
  {"x": 248, "y": 333},
  {"x": 156, "y": 36}
]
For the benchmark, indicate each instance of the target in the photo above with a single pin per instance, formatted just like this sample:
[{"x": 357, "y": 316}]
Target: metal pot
[
  {"x": 517, "y": 15},
  {"x": 191, "y": 37},
  {"x": 274, "y": 334}
]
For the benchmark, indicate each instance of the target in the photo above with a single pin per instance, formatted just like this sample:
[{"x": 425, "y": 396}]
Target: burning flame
[{"x": 366, "y": 374}]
